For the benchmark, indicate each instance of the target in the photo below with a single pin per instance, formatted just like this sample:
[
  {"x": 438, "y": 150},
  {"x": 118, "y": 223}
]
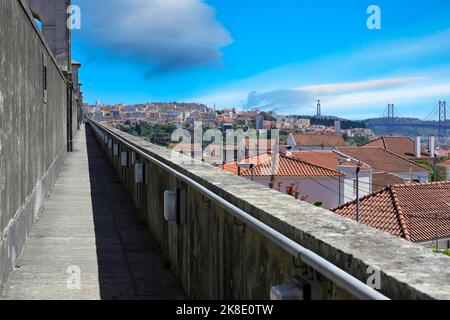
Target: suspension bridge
[{"x": 437, "y": 119}]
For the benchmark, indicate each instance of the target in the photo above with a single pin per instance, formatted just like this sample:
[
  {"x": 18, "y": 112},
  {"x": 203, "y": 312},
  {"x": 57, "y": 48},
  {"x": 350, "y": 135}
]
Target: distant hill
[
  {"x": 410, "y": 127},
  {"x": 329, "y": 121}
]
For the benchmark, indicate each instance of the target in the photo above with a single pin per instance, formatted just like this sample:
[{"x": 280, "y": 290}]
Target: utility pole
[
  {"x": 435, "y": 168},
  {"x": 248, "y": 166},
  {"x": 357, "y": 193},
  {"x": 353, "y": 171}
]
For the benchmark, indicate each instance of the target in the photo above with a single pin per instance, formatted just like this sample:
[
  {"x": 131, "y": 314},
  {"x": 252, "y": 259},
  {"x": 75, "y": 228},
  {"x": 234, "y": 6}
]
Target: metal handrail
[{"x": 343, "y": 279}]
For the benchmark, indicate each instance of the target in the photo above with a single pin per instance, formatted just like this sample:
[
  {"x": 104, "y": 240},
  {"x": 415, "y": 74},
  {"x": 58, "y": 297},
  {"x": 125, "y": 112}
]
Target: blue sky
[{"x": 281, "y": 55}]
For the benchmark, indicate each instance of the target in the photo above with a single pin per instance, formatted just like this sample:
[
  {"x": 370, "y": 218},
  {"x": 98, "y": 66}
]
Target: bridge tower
[
  {"x": 442, "y": 119},
  {"x": 391, "y": 109},
  {"x": 391, "y": 115}
]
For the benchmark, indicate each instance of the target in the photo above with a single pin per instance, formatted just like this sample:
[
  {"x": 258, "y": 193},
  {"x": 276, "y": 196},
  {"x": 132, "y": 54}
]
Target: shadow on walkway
[
  {"x": 89, "y": 223},
  {"x": 128, "y": 261}
]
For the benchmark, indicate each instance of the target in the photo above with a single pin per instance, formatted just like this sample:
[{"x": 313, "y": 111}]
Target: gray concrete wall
[
  {"x": 33, "y": 133},
  {"x": 53, "y": 16},
  {"x": 215, "y": 257}
]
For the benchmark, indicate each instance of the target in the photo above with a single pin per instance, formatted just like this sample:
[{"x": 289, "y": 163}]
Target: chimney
[
  {"x": 432, "y": 146},
  {"x": 418, "y": 147}
]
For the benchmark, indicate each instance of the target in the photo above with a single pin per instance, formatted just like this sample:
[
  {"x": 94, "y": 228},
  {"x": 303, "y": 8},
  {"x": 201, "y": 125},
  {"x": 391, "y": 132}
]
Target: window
[
  {"x": 44, "y": 77},
  {"x": 37, "y": 20},
  {"x": 38, "y": 23}
]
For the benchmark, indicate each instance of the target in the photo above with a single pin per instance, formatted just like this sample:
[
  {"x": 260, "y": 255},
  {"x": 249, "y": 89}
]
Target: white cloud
[
  {"x": 279, "y": 100},
  {"x": 390, "y": 72},
  {"x": 340, "y": 95},
  {"x": 339, "y": 88},
  {"x": 168, "y": 34},
  {"x": 399, "y": 95}
]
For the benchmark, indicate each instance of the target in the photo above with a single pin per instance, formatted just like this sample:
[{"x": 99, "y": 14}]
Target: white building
[
  {"x": 349, "y": 181},
  {"x": 313, "y": 183},
  {"x": 383, "y": 161}
]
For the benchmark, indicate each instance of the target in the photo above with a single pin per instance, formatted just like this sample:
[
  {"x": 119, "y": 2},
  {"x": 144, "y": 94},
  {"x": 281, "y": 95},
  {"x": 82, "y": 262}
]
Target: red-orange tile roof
[
  {"x": 381, "y": 180},
  {"x": 403, "y": 146},
  {"x": 286, "y": 167},
  {"x": 443, "y": 152},
  {"x": 328, "y": 159},
  {"x": 318, "y": 140},
  {"x": 382, "y": 160},
  {"x": 416, "y": 212},
  {"x": 444, "y": 163}
]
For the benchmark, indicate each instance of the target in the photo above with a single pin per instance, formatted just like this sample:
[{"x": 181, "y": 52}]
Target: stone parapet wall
[{"x": 216, "y": 257}]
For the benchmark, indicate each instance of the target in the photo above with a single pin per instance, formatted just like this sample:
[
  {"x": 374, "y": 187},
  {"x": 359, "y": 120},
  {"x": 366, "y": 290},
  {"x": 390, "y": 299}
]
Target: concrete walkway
[{"x": 88, "y": 228}]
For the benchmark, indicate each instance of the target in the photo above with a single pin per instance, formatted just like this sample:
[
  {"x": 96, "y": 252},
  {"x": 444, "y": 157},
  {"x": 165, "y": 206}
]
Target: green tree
[{"x": 439, "y": 175}]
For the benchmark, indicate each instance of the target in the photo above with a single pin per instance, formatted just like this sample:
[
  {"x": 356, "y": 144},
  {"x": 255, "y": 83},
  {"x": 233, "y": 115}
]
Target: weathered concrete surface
[
  {"x": 89, "y": 221},
  {"x": 215, "y": 257},
  {"x": 53, "y": 16},
  {"x": 33, "y": 133}
]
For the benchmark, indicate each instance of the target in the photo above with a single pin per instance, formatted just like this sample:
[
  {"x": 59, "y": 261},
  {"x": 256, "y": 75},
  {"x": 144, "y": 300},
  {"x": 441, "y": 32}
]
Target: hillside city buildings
[
  {"x": 222, "y": 205},
  {"x": 312, "y": 162}
]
